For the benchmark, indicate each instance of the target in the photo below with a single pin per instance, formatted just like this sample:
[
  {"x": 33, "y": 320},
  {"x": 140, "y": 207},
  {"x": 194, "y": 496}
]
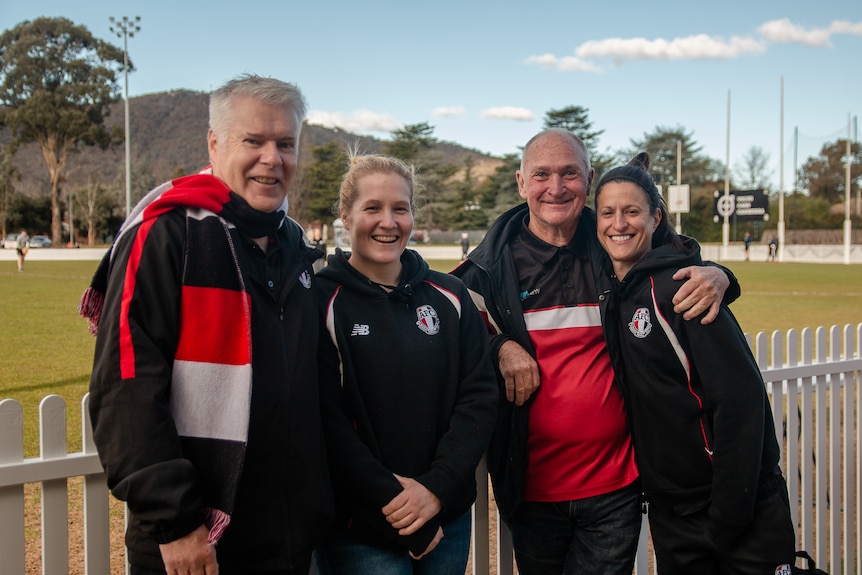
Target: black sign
[{"x": 741, "y": 205}]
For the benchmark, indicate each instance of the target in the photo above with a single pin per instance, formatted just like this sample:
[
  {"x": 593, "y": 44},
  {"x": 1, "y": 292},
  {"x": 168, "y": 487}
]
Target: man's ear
[
  {"x": 212, "y": 145},
  {"x": 521, "y": 190}
]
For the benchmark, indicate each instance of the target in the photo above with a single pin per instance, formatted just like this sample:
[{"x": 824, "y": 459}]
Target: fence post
[
  {"x": 849, "y": 463},
  {"x": 12, "y": 497},
  {"x": 97, "y": 516},
  {"x": 55, "y": 492},
  {"x": 808, "y": 461},
  {"x": 821, "y": 468}
]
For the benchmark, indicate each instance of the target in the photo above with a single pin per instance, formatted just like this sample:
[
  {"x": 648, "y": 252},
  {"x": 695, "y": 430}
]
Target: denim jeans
[
  {"x": 343, "y": 555},
  {"x": 597, "y": 535},
  {"x": 302, "y": 567}
]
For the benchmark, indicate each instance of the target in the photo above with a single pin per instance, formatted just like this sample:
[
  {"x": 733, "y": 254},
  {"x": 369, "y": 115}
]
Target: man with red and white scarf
[{"x": 204, "y": 395}]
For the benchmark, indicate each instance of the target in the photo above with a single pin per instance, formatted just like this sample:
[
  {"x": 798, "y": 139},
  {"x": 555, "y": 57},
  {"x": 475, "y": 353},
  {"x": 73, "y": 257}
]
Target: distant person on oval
[
  {"x": 204, "y": 395},
  {"x": 22, "y": 245}
]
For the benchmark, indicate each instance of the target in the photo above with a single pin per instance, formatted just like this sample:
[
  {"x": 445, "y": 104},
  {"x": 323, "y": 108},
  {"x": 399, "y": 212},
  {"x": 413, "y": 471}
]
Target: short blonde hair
[{"x": 361, "y": 165}]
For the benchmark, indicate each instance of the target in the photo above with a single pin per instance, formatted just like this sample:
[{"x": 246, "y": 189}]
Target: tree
[
  {"x": 98, "y": 210},
  {"x": 323, "y": 180},
  {"x": 8, "y": 175},
  {"x": 805, "y": 212},
  {"x": 499, "y": 191},
  {"x": 824, "y": 176},
  {"x": 32, "y": 214},
  {"x": 465, "y": 212},
  {"x": 661, "y": 146},
  {"x": 56, "y": 82},
  {"x": 752, "y": 172},
  {"x": 408, "y": 142},
  {"x": 575, "y": 119}
]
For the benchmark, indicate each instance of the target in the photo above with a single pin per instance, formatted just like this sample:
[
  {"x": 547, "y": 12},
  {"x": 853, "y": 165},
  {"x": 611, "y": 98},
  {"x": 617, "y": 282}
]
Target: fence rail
[{"x": 813, "y": 379}]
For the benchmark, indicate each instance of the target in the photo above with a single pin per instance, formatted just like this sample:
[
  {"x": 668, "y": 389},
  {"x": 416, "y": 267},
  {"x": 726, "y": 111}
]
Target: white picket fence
[{"x": 812, "y": 376}]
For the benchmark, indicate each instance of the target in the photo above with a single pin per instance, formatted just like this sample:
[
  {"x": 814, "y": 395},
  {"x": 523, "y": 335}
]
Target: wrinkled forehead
[{"x": 554, "y": 150}]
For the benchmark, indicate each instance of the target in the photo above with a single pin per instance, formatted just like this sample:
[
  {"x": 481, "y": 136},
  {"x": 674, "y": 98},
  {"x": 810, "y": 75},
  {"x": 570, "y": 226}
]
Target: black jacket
[
  {"x": 490, "y": 274},
  {"x": 284, "y": 500},
  {"x": 407, "y": 388},
  {"x": 701, "y": 421}
]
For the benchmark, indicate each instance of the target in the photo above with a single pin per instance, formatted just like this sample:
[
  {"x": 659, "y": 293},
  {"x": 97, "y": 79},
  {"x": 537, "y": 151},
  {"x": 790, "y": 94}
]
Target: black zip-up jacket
[
  {"x": 407, "y": 388},
  {"x": 700, "y": 418},
  {"x": 490, "y": 275},
  {"x": 284, "y": 499}
]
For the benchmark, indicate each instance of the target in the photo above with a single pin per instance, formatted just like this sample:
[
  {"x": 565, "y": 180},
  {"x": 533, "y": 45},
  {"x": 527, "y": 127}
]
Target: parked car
[
  {"x": 40, "y": 242},
  {"x": 10, "y": 242}
]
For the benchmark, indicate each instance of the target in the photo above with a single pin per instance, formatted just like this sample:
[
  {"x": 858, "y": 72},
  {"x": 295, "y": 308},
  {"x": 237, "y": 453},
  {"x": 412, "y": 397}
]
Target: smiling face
[
  {"x": 380, "y": 221},
  {"x": 554, "y": 179},
  {"x": 257, "y": 155},
  {"x": 625, "y": 225}
]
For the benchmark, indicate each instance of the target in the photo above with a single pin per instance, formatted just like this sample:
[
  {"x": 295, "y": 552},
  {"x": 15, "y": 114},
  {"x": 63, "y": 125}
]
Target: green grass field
[{"x": 46, "y": 347}]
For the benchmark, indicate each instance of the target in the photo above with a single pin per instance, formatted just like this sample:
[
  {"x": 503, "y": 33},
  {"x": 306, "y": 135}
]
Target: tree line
[{"x": 57, "y": 82}]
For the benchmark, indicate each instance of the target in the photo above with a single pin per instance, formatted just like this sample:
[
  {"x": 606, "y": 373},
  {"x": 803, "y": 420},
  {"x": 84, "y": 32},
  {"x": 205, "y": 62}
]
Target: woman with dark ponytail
[{"x": 700, "y": 418}]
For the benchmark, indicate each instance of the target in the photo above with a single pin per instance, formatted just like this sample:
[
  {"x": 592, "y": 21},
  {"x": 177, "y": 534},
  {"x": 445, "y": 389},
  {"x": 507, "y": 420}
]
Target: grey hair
[
  {"x": 561, "y": 133},
  {"x": 267, "y": 90}
]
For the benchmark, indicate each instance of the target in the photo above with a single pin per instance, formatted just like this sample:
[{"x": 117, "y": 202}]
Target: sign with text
[{"x": 741, "y": 205}]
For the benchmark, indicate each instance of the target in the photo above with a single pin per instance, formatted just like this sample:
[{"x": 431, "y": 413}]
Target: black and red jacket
[{"x": 701, "y": 420}]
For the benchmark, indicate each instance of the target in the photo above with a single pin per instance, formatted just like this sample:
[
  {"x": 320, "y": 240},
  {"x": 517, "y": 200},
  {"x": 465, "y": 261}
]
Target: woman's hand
[{"x": 412, "y": 508}]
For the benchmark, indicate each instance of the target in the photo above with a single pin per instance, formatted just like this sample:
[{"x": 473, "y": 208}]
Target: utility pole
[{"x": 126, "y": 29}]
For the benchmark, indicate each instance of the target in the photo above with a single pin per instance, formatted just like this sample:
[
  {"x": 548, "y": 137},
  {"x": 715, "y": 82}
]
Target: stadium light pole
[
  {"x": 848, "y": 227},
  {"x": 725, "y": 226},
  {"x": 781, "y": 179},
  {"x": 126, "y": 29}
]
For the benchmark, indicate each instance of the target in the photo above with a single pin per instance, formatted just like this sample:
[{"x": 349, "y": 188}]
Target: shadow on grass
[{"x": 51, "y": 385}]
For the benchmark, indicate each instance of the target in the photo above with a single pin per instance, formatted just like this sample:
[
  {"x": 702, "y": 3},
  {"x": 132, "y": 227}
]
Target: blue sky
[{"x": 484, "y": 73}]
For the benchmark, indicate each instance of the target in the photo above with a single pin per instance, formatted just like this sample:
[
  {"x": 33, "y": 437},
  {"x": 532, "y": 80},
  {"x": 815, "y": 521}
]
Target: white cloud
[
  {"x": 695, "y": 47},
  {"x": 508, "y": 113},
  {"x": 566, "y": 63},
  {"x": 786, "y": 32},
  {"x": 449, "y": 111},
  {"x": 698, "y": 47},
  {"x": 842, "y": 27},
  {"x": 357, "y": 122}
]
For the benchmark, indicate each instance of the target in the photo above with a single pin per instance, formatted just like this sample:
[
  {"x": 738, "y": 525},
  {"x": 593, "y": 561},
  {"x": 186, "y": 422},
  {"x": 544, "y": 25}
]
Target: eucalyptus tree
[
  {"x": 56, "y": 84},
  {"x": 825, "y": 175}
]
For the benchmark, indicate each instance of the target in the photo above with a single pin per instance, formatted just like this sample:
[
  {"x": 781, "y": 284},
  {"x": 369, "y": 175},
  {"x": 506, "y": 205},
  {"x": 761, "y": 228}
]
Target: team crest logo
[
  {"x": 640, "y": 325},
  {"x": 305, "y": 280},
  {"x": 783, "y": 570},
  {"x": 427, "y": 320}
]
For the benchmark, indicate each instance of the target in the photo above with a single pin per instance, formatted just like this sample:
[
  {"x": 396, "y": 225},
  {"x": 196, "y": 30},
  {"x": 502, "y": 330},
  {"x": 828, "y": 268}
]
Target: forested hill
[{"x": 169, "y": 139}]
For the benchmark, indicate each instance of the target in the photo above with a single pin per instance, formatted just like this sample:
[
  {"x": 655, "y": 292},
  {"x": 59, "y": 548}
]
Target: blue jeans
[
  {"x": 343, "y": 555},
  {"x": 597, "y": 535}
]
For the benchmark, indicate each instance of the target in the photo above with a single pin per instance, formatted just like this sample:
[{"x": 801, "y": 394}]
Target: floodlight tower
[{"x": 126, "y": 29}]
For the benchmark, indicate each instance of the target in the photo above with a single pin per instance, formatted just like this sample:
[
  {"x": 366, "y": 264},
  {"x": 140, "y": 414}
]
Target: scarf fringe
[
  {"x": 90, "y": 308},
  {"x": 216, "y": 521}
]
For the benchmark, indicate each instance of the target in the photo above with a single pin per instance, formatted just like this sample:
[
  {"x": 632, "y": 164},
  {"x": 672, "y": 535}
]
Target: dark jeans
[
  {"x": 343, "y": 555},
  {"x": 683, "y": 544},
  {"x": 303, "y": 566},
  {"x": 597, "y": 535}
]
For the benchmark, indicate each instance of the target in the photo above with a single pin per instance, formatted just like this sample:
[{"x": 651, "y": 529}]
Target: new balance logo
[{"x": 360, "y": 329}]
